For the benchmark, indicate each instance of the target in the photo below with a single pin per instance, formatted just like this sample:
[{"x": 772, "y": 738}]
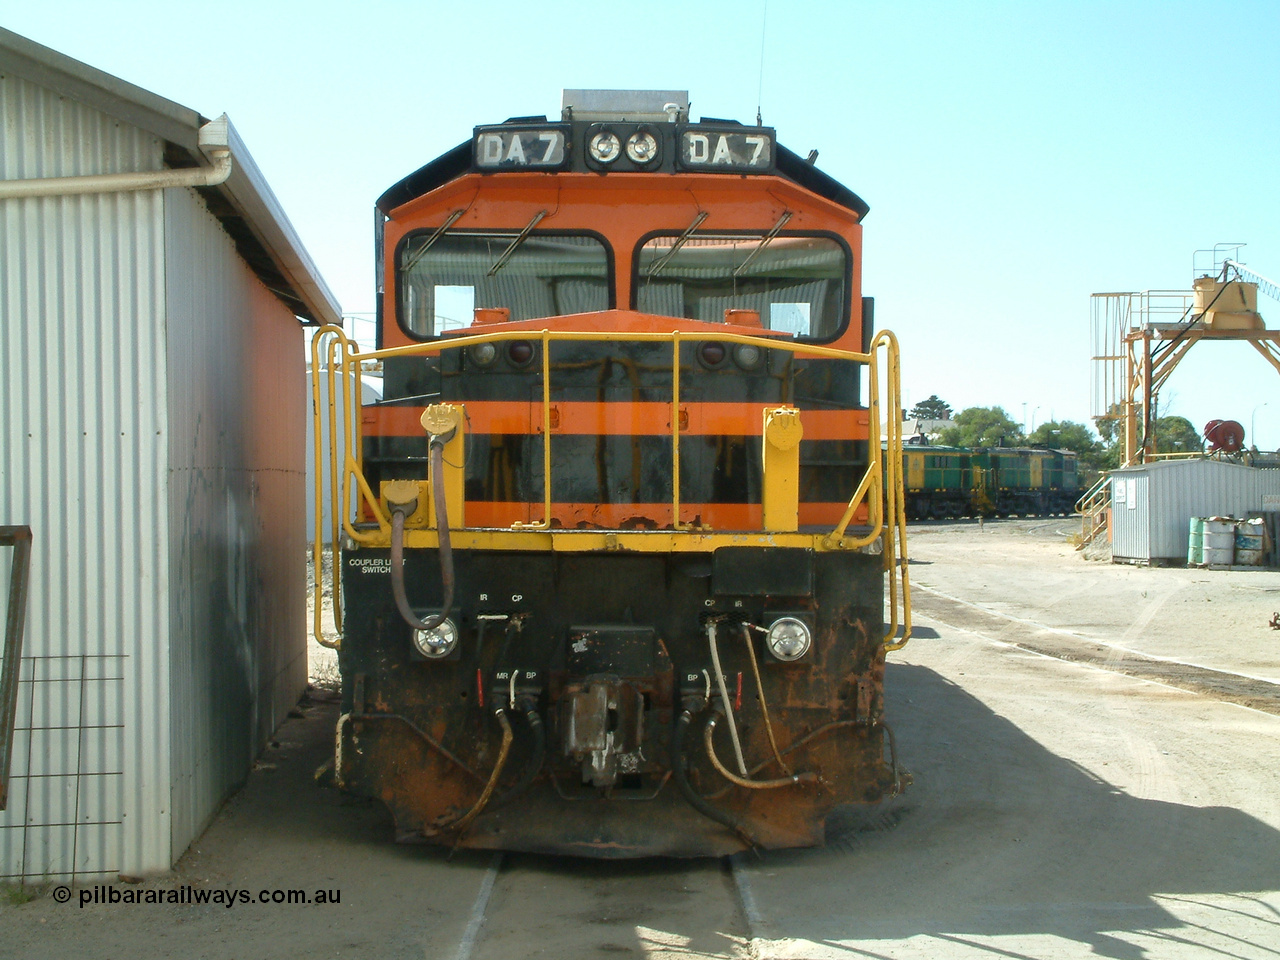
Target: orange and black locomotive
[{"x": 613, "y": 566}]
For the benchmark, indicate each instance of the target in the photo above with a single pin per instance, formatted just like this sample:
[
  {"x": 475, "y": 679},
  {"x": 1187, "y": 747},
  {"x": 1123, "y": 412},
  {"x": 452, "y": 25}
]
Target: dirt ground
[{"x": 1094, "y": 749}]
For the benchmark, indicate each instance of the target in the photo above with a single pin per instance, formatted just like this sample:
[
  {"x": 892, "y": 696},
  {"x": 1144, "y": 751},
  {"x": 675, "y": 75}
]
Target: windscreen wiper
[
  {"x": 506, "y": 254},
  {"x": 764, "y": 242},
  {"x": 661, "y": 262},
  {"x": 440, "y": 231}
]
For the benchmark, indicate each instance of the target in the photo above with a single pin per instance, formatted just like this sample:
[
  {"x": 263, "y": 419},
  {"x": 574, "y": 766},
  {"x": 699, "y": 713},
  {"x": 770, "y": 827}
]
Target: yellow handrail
[
  {"x": 317, "y": 548},
  {"x": 675, "y": 430},
  {"x": 895, "y": 554},
  {"x": 1090, "y": 507},
  {"x": 1093, "y": 493},
  {"x": 880, "y": 488}
]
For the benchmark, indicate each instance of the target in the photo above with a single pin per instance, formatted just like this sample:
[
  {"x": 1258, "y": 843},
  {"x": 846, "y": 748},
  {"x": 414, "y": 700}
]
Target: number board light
[
  {"x": 515, "y": 147},
  {"x": 727, "y": 149}
]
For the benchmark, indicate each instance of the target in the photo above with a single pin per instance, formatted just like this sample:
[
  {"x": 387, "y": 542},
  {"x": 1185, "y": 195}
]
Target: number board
[
  {"x": 520, "y": 148},
  {"x": 727, "y": 150}
]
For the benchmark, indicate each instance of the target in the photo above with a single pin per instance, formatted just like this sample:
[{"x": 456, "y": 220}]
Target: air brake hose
[
  {"x": 750, "y": 784},
  {"x": 534, "y": 766},
  {"x": 722, "y": 817},
  {"x": 464, "y": 821},
  {"x": 764, "y": 704},
  {"x": 398, "y": 513}
]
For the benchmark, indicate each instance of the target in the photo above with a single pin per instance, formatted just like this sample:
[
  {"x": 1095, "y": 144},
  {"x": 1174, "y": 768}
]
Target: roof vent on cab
[{"x": 644, "y": 106}]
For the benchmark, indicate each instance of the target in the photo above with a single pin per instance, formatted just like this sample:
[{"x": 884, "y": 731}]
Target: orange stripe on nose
[{"x": 619, "y": 419}]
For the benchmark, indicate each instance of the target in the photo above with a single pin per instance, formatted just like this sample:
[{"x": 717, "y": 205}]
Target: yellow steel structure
[
  {"x": 880, "y": 488},
  {"x": 1147, "y": 369}
]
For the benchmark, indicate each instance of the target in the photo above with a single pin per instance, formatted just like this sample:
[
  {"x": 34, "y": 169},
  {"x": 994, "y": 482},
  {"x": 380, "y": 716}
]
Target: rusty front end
[{"x": 577, "y": 702}]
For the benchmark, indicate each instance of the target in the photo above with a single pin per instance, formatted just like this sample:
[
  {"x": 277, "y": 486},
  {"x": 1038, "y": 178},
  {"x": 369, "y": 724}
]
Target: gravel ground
[{"x": 1094, "y": 755}]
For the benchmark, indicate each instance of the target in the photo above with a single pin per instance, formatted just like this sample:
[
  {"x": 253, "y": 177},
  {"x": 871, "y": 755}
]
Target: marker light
[
  {"x": 438, "y": 643},
  {"x": 605, "y": 147},
  {"x": 788, "y": 639},
  {"x": 520, "y": 352},
  {"x": 482, "y": 354},
  {"x": 642, "y": 147},
  {"x": 711, "y": 353},
  {"x": 747, "y": 356}
]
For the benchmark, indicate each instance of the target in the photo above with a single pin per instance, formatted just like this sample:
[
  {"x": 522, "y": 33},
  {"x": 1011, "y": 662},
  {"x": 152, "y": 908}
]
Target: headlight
[
  {"x": 642, "y": 147},
  {"x": 789, "y": 638},
  {"x": 482, "y": 354},
  {"x": 438, "y": 643},
  {"x": 605, "y": 147},
  {"x": 747, "y": 356}
]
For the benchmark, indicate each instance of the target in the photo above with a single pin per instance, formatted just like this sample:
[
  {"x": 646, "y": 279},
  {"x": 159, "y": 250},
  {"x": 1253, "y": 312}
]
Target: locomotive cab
[{"x": 614, "y": 580}]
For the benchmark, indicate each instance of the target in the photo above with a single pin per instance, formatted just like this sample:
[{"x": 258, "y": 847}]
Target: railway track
[{"x": 532, "y": 906}]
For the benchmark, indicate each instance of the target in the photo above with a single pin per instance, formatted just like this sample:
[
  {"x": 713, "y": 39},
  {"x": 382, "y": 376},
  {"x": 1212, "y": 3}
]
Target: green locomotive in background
[{"x": 947, "y": 482}]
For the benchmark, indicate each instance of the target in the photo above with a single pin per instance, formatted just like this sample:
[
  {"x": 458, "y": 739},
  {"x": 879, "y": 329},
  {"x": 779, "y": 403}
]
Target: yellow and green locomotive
[
  {"x": 944, "y": 482},
  {"x": 612, "y": 579}
]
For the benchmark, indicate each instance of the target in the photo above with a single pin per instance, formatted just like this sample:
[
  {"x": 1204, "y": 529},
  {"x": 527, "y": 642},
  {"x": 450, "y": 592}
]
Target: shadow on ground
[{"x": 999, "y": 837}]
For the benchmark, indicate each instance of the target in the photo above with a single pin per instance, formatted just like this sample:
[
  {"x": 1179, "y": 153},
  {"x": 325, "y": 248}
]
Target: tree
[
  {"x": 982, "y": 427},
  {"x": 930, "y": 409},
  {"x": 1067, "y": 435},
  {"x": 1177, "y": 435},
  {"x": 1173, "y": 435}
]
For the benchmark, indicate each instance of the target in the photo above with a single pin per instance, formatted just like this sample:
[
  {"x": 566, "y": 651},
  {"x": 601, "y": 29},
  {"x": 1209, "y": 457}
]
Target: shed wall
[
  {"x": 83, "y": 451},
  {"x": 1176, "y": 491},
  {"x": 238, "y": 418},
  {"x": 1131, "y": 519}
]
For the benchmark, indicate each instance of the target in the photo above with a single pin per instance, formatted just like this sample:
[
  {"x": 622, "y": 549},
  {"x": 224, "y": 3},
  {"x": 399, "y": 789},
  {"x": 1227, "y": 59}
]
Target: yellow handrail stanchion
[
  {"x": 675, "y": 430},
  {"x": 896, "y": 557},
  {"x": 892, "y": 431},
  {"x": 336, "y": 344},
  {"x": 317, "y": 548}
]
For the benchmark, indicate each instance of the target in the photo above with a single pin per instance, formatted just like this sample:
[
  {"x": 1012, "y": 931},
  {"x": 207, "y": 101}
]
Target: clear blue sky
[{"x": 1016, "y": 156}]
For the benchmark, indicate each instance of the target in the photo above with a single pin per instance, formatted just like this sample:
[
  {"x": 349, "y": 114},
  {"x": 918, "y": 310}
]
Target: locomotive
[
  {"x": 946, "y": 482},
  {"x": 612, "y": 550}
]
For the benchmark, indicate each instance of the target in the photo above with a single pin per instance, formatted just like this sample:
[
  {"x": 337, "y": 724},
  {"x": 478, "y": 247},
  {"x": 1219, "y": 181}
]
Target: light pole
[
  {"x": 1033, "y": 419},
  {"x": 1253, "y": 423}
]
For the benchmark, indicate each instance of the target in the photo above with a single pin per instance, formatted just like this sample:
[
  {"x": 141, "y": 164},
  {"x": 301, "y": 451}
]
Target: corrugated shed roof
[{"x": 245, "y": 204}]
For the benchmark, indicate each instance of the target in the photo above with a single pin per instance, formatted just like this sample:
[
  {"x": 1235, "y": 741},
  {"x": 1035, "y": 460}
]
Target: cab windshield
[
  {"x": 441, "y": 283},
  {"x": 799, "y": 285}
]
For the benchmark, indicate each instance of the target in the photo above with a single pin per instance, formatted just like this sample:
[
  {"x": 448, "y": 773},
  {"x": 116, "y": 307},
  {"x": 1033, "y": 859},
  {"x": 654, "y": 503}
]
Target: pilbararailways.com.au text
[{"x": 187, "y": 894}]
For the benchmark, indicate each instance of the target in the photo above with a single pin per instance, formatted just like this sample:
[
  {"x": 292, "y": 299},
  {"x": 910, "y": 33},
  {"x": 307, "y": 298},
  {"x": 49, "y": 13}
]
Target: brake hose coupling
[
  {"x": 401, "y": 496},
  {"x": 441, "y": 421}
]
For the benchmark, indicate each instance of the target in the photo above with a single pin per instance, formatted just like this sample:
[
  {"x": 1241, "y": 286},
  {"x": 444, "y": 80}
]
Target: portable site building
[
  {"x": 1152, "y": 504},
  {"x": 152, "y": 413}
]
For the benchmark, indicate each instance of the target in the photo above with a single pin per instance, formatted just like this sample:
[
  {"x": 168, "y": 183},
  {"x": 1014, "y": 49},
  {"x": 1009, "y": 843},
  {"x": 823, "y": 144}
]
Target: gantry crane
[{"x": 1140, "y": 338}]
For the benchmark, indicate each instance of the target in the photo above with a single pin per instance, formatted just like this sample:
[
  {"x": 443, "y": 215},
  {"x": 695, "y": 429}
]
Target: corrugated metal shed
[
  {"x": 152, "y": 409},
  {"x": 1152, "y": 504}
]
